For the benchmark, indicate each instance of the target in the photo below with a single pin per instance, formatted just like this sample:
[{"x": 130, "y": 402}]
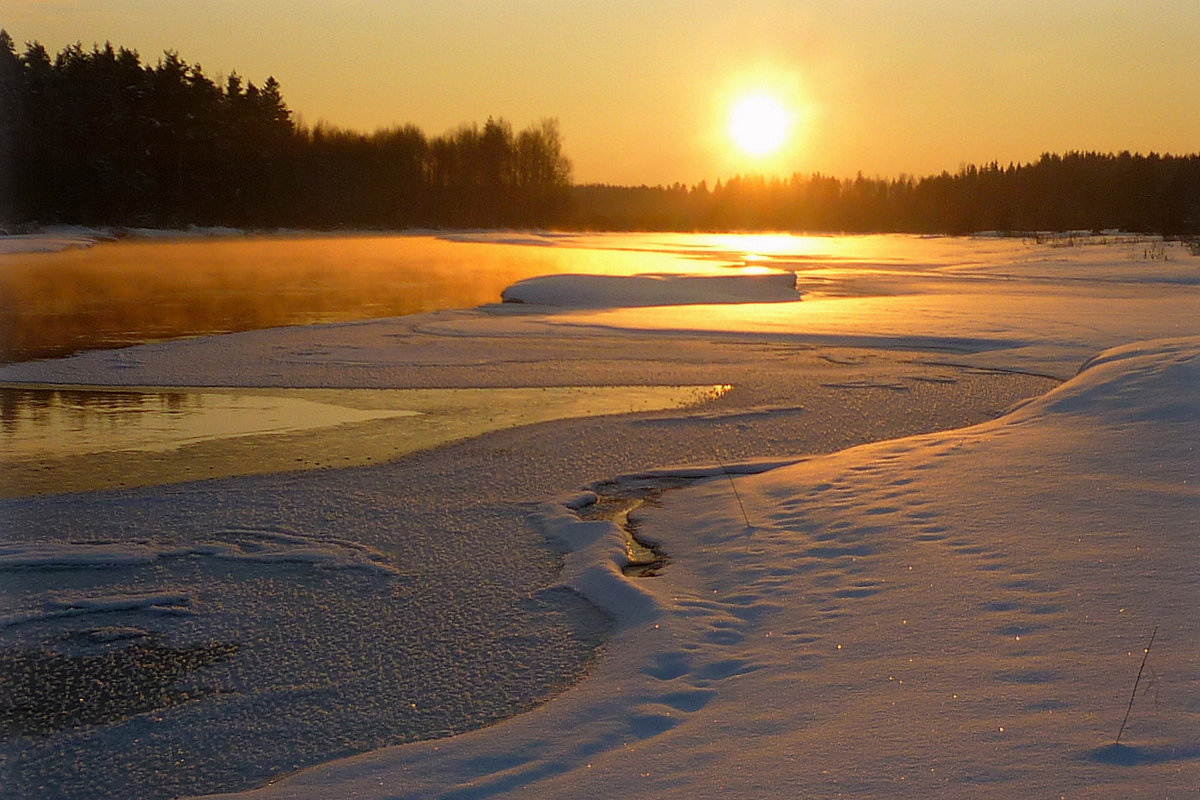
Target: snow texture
[
  {"x": 616, "y": 291},
  {"x": 958, "y": 614},
  {"x": 56, "y": 238}
]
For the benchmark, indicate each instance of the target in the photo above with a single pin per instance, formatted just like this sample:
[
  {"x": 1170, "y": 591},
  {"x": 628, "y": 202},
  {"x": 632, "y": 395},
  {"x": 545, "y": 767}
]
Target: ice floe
[{"x": 615, "y": 291}]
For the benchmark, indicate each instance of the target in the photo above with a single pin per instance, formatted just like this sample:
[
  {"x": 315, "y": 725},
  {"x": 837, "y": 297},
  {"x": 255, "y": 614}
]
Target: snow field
[{"x": 956, "y": 614}]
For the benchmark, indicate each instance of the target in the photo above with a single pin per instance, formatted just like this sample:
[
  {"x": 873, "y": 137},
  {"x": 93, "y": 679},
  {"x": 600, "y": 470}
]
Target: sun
[{"x": 759, "y": 124}]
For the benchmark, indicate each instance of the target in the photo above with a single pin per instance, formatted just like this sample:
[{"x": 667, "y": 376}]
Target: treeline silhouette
[
  {"x": 1076, "y": 191},
  {"x": 96, "y": 137}
]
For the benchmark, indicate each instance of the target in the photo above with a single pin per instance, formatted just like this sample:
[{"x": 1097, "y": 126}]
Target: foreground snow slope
[{"x": 958, "y": 614}]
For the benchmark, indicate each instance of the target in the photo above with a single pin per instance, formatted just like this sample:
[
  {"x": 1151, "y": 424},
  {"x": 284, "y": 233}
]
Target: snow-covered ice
[
  {"x": 956, "y": 614},
  {"x": 56, "y": 238},
  {"x": 616, "y": 291},
  {"x": 53, "y": 239}
]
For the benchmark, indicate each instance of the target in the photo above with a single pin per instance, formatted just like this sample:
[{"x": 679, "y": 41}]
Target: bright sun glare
[{"x": 759, "y": 125}]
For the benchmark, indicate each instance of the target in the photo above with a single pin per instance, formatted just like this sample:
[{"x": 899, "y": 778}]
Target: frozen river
[{"x": 269, "y": 619}]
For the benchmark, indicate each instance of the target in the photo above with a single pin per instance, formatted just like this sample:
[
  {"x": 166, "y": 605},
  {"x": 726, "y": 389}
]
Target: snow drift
[
  {"x": 958, "y": 614},
  {"x": 627, "y": 291}
]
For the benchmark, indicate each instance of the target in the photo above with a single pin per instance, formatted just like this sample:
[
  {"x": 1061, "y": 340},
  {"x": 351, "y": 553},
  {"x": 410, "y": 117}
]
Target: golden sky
[{"x": 643, "y": 88}]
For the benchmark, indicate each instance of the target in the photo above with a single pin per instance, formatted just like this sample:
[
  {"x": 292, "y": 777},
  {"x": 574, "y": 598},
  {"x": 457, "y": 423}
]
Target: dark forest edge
[{"x": 95, "y": 137}]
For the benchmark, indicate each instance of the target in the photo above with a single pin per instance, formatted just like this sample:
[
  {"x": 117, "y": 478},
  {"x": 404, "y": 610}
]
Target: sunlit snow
[{"x": 953, "y": 614}]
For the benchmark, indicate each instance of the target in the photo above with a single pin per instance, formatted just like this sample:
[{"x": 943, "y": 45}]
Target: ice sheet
[
  {"x": 954, "y": 614},
  {"x": 958, "y": 614}
]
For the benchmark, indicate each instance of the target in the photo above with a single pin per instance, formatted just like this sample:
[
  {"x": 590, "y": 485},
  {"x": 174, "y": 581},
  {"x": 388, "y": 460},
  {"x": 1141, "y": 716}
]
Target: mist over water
[
  {"x": 128, "y": 291},
  {"x": 123, "y": 292},
  {"x": 119, "y": 293}
]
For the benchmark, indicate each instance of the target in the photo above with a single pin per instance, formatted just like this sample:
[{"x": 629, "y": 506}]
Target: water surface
[
  {"x": 136, "y": 290},
  {"x": 123, "y": 292},
  {"x": 77, "y": 439}
]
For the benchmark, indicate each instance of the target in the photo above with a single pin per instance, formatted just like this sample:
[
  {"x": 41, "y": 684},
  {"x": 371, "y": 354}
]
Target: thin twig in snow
[
  {"x": 1136, "y": 681},
  {"x": 732, "y": 485}
]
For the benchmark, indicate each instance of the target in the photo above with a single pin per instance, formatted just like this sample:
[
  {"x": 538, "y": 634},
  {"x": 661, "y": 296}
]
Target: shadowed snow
[
  {"x": 958, "y": 613},
  {"x": 616, "y": 291},
  {"x": 951, "y": 614}
]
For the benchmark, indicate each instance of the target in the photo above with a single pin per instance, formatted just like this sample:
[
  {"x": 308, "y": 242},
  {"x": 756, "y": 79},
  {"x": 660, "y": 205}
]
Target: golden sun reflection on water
[
  {"x": 49, "y": 423},
  {"x": 83, "y": 438},
  {"x": 125, "y": 292},
  {"x": 119, "y": 293}
]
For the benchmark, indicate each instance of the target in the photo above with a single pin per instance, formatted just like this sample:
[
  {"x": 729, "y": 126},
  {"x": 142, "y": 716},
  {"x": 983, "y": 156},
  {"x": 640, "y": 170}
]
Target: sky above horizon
[{"x": 643, "y": 89}]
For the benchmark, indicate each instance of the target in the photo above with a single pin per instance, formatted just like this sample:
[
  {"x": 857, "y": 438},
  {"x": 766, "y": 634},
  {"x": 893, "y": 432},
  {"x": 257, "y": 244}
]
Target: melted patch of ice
[{"x": 71, "y": 422}]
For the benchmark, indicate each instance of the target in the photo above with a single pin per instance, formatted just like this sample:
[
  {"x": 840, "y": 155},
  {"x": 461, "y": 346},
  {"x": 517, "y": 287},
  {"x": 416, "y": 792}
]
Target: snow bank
[
  {"x": 625, "y": 291},
  {"x": 959, "y": 614},
  {"x": 53, "y": 239},
  {"x": 56, "y": 238},
  {"x": 526, "y": 238},
  {"x": 192, "y": 231},
  {"x": 1156, "y": 382}
]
